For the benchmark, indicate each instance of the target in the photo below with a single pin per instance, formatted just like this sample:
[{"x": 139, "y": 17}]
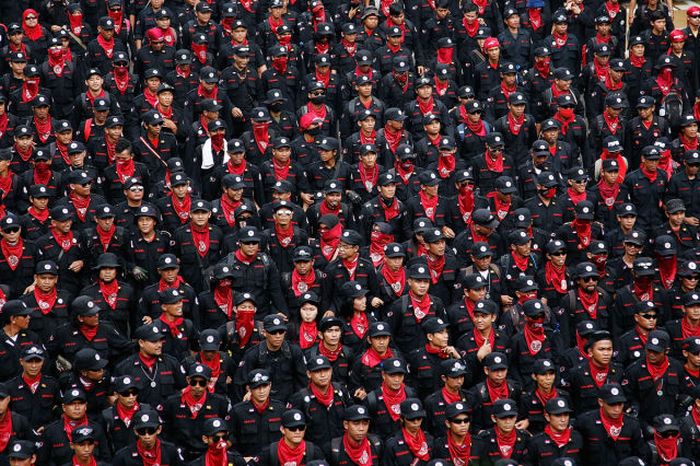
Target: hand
[
  {"x": 307, "y": 199},
  {"x": 452, "y": 351},
  {"x": 30, "y": 288},
  {"x": 147, "y": 320},
  {"x": 692, "y": 221},
  {"x": 283, "y": 317},
  {"x": 55, "y": 28},
  {"x": 484, "y": 351},
  {"x": 448, "y": 232},
  {"x": 360, "y": 394},
  {"x": 376, "y": 302},
  {"x": 353, "y": 11},
  {"x": 421, "y": 70},
  {"x": 170, "y": 124},
  {"x": 329, "y": 313},
  {"x": 236, "y": 112},
  {"x": 76, "y": 266},
  {"x": 246, "y": 397},
  {"x": 140, "y": 274},
  {"x": 507, "y": 300},
  {"x": 522, "y": 425}
]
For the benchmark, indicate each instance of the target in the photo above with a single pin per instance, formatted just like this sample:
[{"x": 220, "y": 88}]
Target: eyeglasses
[
  {"x": 464, "y": 420},
  {"x": 277, "y": 332},
  {"x": 198, "y": 383},
  {"x": 129, "y": 393},
  {"x": 12, "y": 230},
  {"x": 296, "y": 428},
  {"x": 30, "y": 18},
  {"x": 146, "y": 431},
  {"x": 317, "y": 93},
  {"x": 648, "y": 316},
  {"x": 589, "y": 279},
  {"x": 668, "y": 434},
  {"x": 136, "y": 189},
  {"x": 157, "y": 124},
  {"x": 220, "y": 437},
  {"x": 632, "y": 245},
  {"x": 558, "y": 253}
]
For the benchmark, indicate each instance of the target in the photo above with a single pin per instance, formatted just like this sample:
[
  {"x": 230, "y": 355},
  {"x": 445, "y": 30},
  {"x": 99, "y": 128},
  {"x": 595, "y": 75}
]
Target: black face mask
[
  {"x": 318, "y": 99},
  {"x": 314, "y": 131},
  {"x": 275, "y": 106}
]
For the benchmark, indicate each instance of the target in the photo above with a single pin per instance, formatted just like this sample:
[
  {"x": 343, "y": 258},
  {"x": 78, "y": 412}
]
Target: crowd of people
[{"x": 357, "y": 233}]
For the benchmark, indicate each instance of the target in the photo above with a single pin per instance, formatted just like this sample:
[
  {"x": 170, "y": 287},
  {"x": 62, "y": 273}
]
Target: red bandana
[
  {"x": 589, "y": 302},
  {"x": 494, "y": 165},
  {"x": 69, "y": 425},
  {"x": 290, "y": 455},
  {"x": 459, "y": 454},
  {"x": 371, "y": 358},
  {"x": 80, "y": 204},
  {"x": 228, "y": 208},
  {"x": 657, "y": 370},
  {"x": 182, "y": 207},
  {"x": 612, "y": 426},
  {"x": 436, "y": 266},
  {"x": 106, "y": 45},
  {"x": 393, "y": 400},
  {"x": 421, "y": 306},
  {"x": 332, "y": 355},
  {"x": 12, "y": 253},
  {"x": 583, "y": 229},
  {"x": 358, "y": 453},
  {"x": 245, "y": 321},
  {"x": 329, "y": 241},
  {"x": 613, "y": 123},
  {"x": 173, "y": 325},
  {"x": 436, "y": 351},
  {"x": 395, "y": 279},
  {"x": 223, "y": 297},
  {"x": 393, "y": 138},
  {"x": 281, "y": 169},
  {"x": 64, "y": 240},
  {"x": 302, "y": 283},
  {"x": 666, "y": 447},
  {"x": 201, "y": 239},
  {"x": 598, "y": 374},
  {"x": 534, "y": 337},
  {"x": 109, "y": 291},
  {"x": 33, "y": 33},
  {"x": 193, "y": 405},
  {"x": 506, "y": 442},
  {"x": 45, "y": 301},
  {"x": 261, "y": 135},
  {"x": 426, "y": 106},
  {"x": 429, "y": 204},
  {"x": 499, "y": 392},
  {"x": 308, "y": 334},
  {"x": 417, "y": 444},
  {"x": 5, "y": 430},
  {"x": 368, "y": 177},
  {"x": 359, "y": 324},
  {"x": 149, "y": 457},
  {"x": 559, "y": 438},
  {"x": 556, "y": 276},
  {"x": 667, "y": 270},
  {"x": 326, "y": 399},
  {"x": 325, "y": 209},
  {"x": 125, "y": 169}
]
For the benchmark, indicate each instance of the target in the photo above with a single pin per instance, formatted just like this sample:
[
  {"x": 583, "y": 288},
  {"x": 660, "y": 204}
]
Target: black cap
[
  {"x": 643, "y": 266},
  {"x": 434, "y": 325},
  {"x": 214, "y": 426},
  {"x": 274, "y": 323},
  {"x": 170, "y": 296},
  {"x": 412, "y": 408},
  {"x": 46, "y": 267},
  {"x": 495, "y": 361},
  {"x": 658, "y": 341},
  {"x": 356, "y": 413},
  {"x": 259, "y": 377},
  {"x": 145, "y": 418},
  {"x": 293, "y": 418},
  {"x": 558, "y": 405},
  {"x": 32, "y": 352},
  {"x": 586, "y": 270},
  {"x": 149, "y": 332},
  {"x": 84, "y": 306},
  {"x": 21, "y": 449},
  {"x": 318, "y": 363},
  {"x": 533, "y": 307},
  {"x": 124, "y": 383},
  {"x": 89, "y": 360},
  {"x": 393, "y": 366},
  {"x": 199, "y": 370},
  {"x": 378, "y": 329},
  {"x": 505, "y": 408},
  {"x": 209, "y": 340},
  {"x": 74, "y": 394},
  {"x": 543, "y": 366}
]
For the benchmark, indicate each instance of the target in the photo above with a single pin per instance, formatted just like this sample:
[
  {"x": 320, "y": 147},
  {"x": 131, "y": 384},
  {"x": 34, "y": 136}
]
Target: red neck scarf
[
  {"x": 151, "y": 97},
  {"x": 88, "y": 332},
  {"x": 404, "y": 170},
  {"x": 332, "y": 355},
  {"x": 308, "y": 334},
  {"x": 223, "y": 297},
  {"x": 30, "y": 89},
  {"x": 657, "y": 370},
  {"x": 325, "y": 209},
  {"x": 33, "y": 33},
  {"x": 507, "y": 91},
  {"x": 106, "y": 45},
  {"x": 556, "y": 276},
  {"x": 478, "y": 338},
  {"x": 173, "y": 325},
  {"x": 319, "y": 111},
  {"x": 109, "y": 291},
  {"x": 182, "y": 207},
  {"x": 368, "y": 177},
  {"x": 192, "y": 404},
  {"x": 600, "y": 70},
  {"x": 4, "y": 121},
  {"x": 246, "y": 260},
  {"x": 358, "y": 453},
  {"x": 417, "y": 444},
  {"x": 323, "y": 77},
  {"x": 329, "y": 241},
  {"x": 371, "y": 358},
  {"x": 393, "y": 138},
  {"x": 215, "y": 365},
  {"x": 543, "y": 67},
  {"x": 478, "y": 128},
  {"x": 80, "y": 204},
  {"x": 608, "y": 193},
  {"x": 201, "y": 238},
  {"x": 395, "y": 279},
  {"x": 665, "y": 80},
  {"x": 545, "y": 397},
  {"x": 149, "y": 457},
  {"x": 12, "y": 253},
  {"x": 393, "y": 400},
  {"x": 212, "y": 94},
  {"x": 43, "y": 129},
  {"x": 688, "y": 143},
  {"x": 613, "y": 123},
  {"x": 534, "y": 337},
  {"x": 326, "y": 399},
  {"x": 45, "y": 301},
  {"x": 126, "y": 414},
  {"x": 612, "y": 86},
  {"x": 465, "y": 202},
  {"x": 261, "y": 135},
  {"x": 426, "y": 106},
  {"x": 598, "y": 374},
  {"x": 62, "y": 148},
  {"x": 351, "y": 266},
  {"x": 637, "y": 62},
  {"x": 64, "y": 240},
  {"x": 565, "y": 116},
  {"x": 689, "y": 330},
  {"x": 421, "y": 306},
  {"x": 183, "y": 72},
  {"x": 460, "y": 454},
  {"x": 559, "y": 438},
  {"x": 497, "y": 392},
  {"x": 436, "y": 266},
  {"x": 302, "y": 283},
  {"x": 228, "y": 208},
  {"x": 359, "y": 324},
  {"x": 121, "y": 78},
  {"x": 290, "y": 455},
  {"x": 506, "y": 442},
  {"x": 32, "y": 383},
  {"x": 560, "y": 39},
  {"x": 650, "y": 175},
  {"x": 41, "y": 216},
  {"x": 696, "y": 415},
  {"x": 501, "y": 208},
  {"x": 390, "y": 211},
  {"x": 236, "y": 169},
  {"x": 200, "y": 52},
  {"x": 436, "y": 351},
  {"x": 589, "y": 301},
  {"x": 284, "y": 236},
  {"x": 350, "y": 47},
  {"x": 612, "y": 426},
  {"x": 70, "y": 424},
  {"x": 521, "y": 262},
  {"x": 450, "y": 397},
  {"x": 217, "y": 454},
  {"x": 471, "y": 28},
  {"x": 5, "y": 430},
  {"x": 281, "y": 169},
  {"x": 576, "y": 197},
  {"x": 57, "y": 61},
  {"x": 163, "y": 285},
  {"x": 125, "y": 169},
  {"x": 494, "y": 165}
]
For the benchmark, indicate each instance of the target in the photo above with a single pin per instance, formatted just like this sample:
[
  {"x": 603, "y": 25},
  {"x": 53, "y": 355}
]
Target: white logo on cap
[
  {"x": 667, "y": 420},
  {"x": 589, "y": 268},
  {"x": 414, "y": 406},
  {"x": 614, "y": 391},
  {"x": 561, "y": 403},
  {"x": 127, "y": 380},
  {"x": 546, "y": 363},
  {"x": 145, "y": 418},
  {"x": 530, "y": 283},
  {"x": 537, "y": 305},
  {"x": 75, "y": 393},
  {"x": 251, "y": 233},
  {"x": 397, "y": 363},
  {"x": 17, "y": 447},
  {"x": 297, "y": 417},
  {"x": 199, "y": 369},
  {"x": 380, "y": 327},
  {"x": 506, "y": 407},
  {"x": 216, "y": 423},
  {"x": 497, "y": 359},
  {"x": 421, "y": 270}
]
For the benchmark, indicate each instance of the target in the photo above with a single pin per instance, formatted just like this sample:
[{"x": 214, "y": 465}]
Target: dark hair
[{"x": 122, "y": 145}]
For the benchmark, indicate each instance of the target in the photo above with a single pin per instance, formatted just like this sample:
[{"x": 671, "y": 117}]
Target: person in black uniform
[
  {"x": 116, "y": 420},
  {"x": 411, "y": 442},
  {"x": 15, "y": 337},
  {"x": 292, "y": 447},
  {"x": 148, "y": 448},
  {"x": 559, "y": 439},
  {"x": 215, "y": 434}
]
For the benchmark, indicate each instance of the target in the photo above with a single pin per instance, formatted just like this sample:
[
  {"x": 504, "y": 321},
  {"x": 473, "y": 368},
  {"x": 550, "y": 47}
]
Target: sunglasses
[
  {"x": 12, "y": 230},
  {"x": 632, "y": 245},
  {"x": 157, "y": 124},
  {"x": 296, "y": 428},
  {"x": 277, "y": 332},
  {"x": 648, "y": 316},
  {"x": 129, "y": 393},
  {"x": 198, "y": 383},
  {"x": 589, "y": 279},
  {"x": 317, "y": 93},
  {"x": 220, "y": 437},
  {"x": 464, "y": 420},
  {"x": 29, "y": 18},
  {"x": 558, "y": 253},
  {"x": 250, "y": 243},
  {"x": 136, "y": 189},
  {"x": 668, "y": 434},
  {"x": 146, "y": 431}
]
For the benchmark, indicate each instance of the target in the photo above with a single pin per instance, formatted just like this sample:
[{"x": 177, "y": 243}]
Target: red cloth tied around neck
[
  {"x": 368, "y": 177},
  {"x": 217, "y": 142},
  {"x": 207, "y": 94},
  {"x": 329, "y": 240},
  {"x": 507, "y": 90},
  {"x": 42, "y": 173},
  {"x": 436, "y": 351},
  {"x": 280, "y": 64},
  {"x": 372, "y": 359},
  {"x": 470, "y": 27},
  {"x": 598, "y": 374},
  {"x": 506, "y": 442},
  {"x": 600, "y": 70},
  {"x": 281, "y": 169},
  {"x": 183, "y": 72},
  {"x": 446, "y": 164},
  {"x": 534, "y": 337},
  {"x": 284, "y": 236},
  {"x": 665, "y": 80},
  {"x": 612, "y": 86},
  {"x": 395, "y": 279},
  {"x": 121, "y": 78},
  {"x": 477, "y": 128},
  {"x": 535, "y": 17},
  {"x": 378, "y": 241},
  {"x": 192, "y": 404},
  {"x": 657, "y": 370},
  {"x": 290, "y": 455},
  {"x": 149, "y": 457},
  {"x": 426, "y": 106},
  {"x": 393, "y": 138},
  {"x": 245, "y": 321},
  {"x": 417, "y": 444},
  {"x": 33, "y": 33},
  {"x": 649, "y": 174},
  {"x": 126, "y": 413},
  {"x": 30, "y": 89},
  {"x": 332, "y": 355},
  {"x": 106, "y": 45},
  {"x": 200, "y": 52},
  {"x": 460, "y": 454},
  {"x": 323, "y": 77},
  {"x": 359, "y": 453},
  {"x": 326, "y": 399},
  {"x": 612, "y": 426},
  {"x": 560, "y": 39},
  {"x": 494, "y": 165},
  {"x": 589, "y": 301},
  {"x": 261, "y": 135},
  {"x": 688, "y": 143},
  {"x": 173, "y": 325},
  {"x": 70, "y": 424},
  {"x": 556, "y": 276},
  {"x": 223, "y": 297},
  {"x": 228, "y": 208},
  {"x": 584, "y": 231},
  {"x": 46, "y": 301},
  {"x": 5, "y": 430},
  {"x": 201, "y": 239},
  {"x": 559, "y": 438},
  {"x": 521, "y": 262},
  {"x": 308, "y": 334},
  {"x": 668, "y": 265},
  {"x": 64, "y": 240},
  {"x": 421, "y": 305},
  {"x": 465, "y": 201},
  {"x": 181, "y": 207},
  {"x": 40, "y": 215},
  {"x": 565, "y": 116},
  {"x": 543, "y": 67},
  {"x": 688, "y": 330},
  {"x": 302, "y": 283},
  {"x": 497, "y": 392},
  {"x": 429, "y": 204},
  {"x": 125, "y": 169},
  {"x": 393, "y": 400},
  {"x": 57, "y": 61},
  {"x": 609, "y": 192},
  {"x": 109, "y": 291}
]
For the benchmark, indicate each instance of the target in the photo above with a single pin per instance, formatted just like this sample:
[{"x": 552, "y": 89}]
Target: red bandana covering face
[
  {"x": 75, "y": 21},
  {"x": 290, "y": 455},
  {"x": 559, "y": 438},
  {"x": 393, "y": 400},
  {"x": 329, "y": 240},
  {"x": 534, "y": 337},
  {"x": 217, "y": 454},
  {"x": 429, "y": 204},
  {"x": 261, "y": 135},
  {"x": 665, "y": 80},
  {"x": 30, "y": 89},
  {"x": 121, "y": 78},
  {"x": 465, "y": 202},
  {"x": 245, "y": 321},
  {"x": 494, "y": 164},
  {"x": 668, "y": 265},
  {"x": 612, "y": 426},
  {"x": 445, "y": 54},
  {"x": 109, "y": 291},
  {"x": 506, "y": 442},
  {"x": 560, "y": 39},
  {"x": 446, "y": 164},
  {"x": 223, "y": 297},
  {"x": 583, "y": 229},
  {"x": 666, "y": 447},
  {"x": 359, "y": 453},
  {"x": 149, "y": 457},
  {"x": 404, "y": 169},
  {"x": 378, "y": 241},
  {"x": 57, "y": 60}
]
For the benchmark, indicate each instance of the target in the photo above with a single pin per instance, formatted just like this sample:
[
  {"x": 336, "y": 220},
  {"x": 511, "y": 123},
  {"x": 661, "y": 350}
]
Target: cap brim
[{"x": 615, "y": 399}]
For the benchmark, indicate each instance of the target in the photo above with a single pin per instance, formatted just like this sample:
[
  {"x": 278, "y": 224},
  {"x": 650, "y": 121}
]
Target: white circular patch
[
  {"x": 614, "y": 391},
  {"x": 667, "y": 421},
  {"x": 506, "y": 407},
  {"x": 561, "y": 403},
  {"x": 397, "y": 364},
  {"x": 654, "y": 341},
  {"x": 216, "y": 423},
  {"x": 297, "y": 417},
  {"x": 414, "y": 407},
  {"x": 497, "y": 359},
  {"x": 17, "y": 447},
  {"x": 127, "y": 380}
]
